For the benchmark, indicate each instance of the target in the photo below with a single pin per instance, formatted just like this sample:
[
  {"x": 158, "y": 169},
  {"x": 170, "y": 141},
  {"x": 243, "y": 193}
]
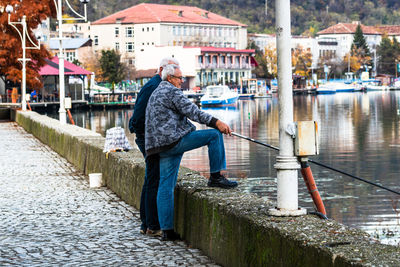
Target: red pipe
[
  {"x": 70, "y": 117},
  {"x": 312, "y": 187}
]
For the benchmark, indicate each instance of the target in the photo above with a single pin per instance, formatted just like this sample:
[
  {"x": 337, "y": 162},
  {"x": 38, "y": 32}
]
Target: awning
[
  {"x": 52, "y": 66},
  {"x": 253, "y": 62}
]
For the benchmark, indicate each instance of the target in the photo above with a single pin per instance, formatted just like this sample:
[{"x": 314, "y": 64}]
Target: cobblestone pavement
[{"x": 49, "y": 216}]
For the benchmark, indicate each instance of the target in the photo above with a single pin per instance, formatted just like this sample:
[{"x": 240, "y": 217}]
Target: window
[
  {"x": 200, "y": 58},
  {"x": 148, "y": 29},
  {"x": 179, "y": 30},
  {"x": 152, "y": 29},
  {"x": 173, "y": 30},
  {"x": 184, "y": 31},
  {"x": 223, "y": 59},
  {"x": 96, "y": 40},
  {"x": 70, "y": 56},
  {"x": 116, "y": 30},
  {"x": 129, "y": 31},
  {"x": 117, "y": 46},
  {"x": 129, "y": 47}
]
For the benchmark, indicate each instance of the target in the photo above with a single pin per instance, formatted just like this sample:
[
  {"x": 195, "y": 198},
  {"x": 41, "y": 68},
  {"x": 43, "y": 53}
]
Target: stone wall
[{"x": 231, "y": 226}]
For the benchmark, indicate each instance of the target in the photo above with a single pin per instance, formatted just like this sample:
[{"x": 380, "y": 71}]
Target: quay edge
[{"x": 230, "y": 226}]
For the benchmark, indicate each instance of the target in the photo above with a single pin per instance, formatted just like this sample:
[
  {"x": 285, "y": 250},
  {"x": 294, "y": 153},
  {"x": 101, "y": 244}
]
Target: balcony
[{"x": 223, "y": 66}]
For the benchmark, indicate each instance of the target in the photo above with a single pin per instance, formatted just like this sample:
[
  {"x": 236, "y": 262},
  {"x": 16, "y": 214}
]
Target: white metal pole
[
  {"x": 286, "y": 163},
  {"x": 62, "y": 112},
  {"x": 23, "y": 99}
]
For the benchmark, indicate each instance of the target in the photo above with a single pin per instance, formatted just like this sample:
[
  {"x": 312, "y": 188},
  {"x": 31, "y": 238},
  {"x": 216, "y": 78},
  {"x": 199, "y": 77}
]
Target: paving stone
[{"x": 50, "y": 216}]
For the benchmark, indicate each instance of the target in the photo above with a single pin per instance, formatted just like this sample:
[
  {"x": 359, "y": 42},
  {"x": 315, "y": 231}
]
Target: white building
[
  {"x": 74, "y": 48},
  {"x": 201, "y": 66},
  {"x": 336, "y": 40},
  {"x": 268, "y": 41},
  {"x": 147, "y": 25}
]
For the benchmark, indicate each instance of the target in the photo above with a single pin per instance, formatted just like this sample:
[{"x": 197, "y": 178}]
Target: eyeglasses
[{"x": 179, "y": 77}]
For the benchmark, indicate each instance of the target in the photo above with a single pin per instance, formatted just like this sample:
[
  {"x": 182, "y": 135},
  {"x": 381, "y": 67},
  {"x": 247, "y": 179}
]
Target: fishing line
[{"x": 320, "y": 164}]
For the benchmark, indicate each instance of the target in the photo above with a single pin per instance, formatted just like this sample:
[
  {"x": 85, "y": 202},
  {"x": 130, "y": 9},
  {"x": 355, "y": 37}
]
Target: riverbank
[{"x": 231, "y": 226}]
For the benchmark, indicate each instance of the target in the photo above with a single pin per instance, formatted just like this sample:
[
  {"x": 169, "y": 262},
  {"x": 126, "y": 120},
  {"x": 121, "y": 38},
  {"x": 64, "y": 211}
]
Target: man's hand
[{"x": 223, "y": 127}]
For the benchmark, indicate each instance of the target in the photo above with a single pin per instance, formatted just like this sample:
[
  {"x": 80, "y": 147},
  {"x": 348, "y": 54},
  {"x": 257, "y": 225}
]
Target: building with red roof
[
  {"x": 336, "y": 41},
  {"x": 392, "y": 31},
  {"x": 201, "y": 66},
  {"x": 148, "y": 25}
]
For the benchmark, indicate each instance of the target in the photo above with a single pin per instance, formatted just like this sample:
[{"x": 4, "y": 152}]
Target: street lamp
[
  {"x": 9, "y": 10},
  {"x": 58, "y": 5}
]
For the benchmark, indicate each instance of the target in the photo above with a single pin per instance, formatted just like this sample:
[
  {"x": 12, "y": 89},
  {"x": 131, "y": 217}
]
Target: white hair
[
  {"x": 168, "y": 70},
  {"x": 166, "y": 61}
]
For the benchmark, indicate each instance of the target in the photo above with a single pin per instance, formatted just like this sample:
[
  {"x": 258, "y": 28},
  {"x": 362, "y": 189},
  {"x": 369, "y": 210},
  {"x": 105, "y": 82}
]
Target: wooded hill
[{"x": 308, "y": 17}]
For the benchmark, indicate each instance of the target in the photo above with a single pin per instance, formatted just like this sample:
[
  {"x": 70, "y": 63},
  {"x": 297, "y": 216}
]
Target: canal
[{"x": 359, "y": 134}]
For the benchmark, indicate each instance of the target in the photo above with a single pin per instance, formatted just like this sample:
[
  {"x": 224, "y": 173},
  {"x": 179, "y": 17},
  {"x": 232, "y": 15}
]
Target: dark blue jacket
[{"x": 137, "y": 121}]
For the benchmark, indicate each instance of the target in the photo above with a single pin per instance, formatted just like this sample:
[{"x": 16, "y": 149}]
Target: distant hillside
[{"x": 308, "y": 17}]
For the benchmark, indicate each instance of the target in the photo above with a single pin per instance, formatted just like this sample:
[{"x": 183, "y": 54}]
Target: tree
[
  {"x": 388, "y": 53},
  {"x": 114, "y": 71},
  {"x": 271, "y": 56},
  {"x": 262, "y": 70},
  {"x": 360, "y": 47},
  {"x": 90, "y": 61},
  {"x": 11, "y": 45},
  {"x": 301, "y": 61}
]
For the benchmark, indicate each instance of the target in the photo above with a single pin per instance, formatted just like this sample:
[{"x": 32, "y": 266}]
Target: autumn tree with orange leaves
[{"x": 11, "y": 43}]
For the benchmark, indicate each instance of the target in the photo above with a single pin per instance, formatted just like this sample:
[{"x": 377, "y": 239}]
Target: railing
[{"x": 223, "y": 66}]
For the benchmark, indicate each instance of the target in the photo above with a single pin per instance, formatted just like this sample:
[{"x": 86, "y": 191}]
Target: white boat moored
[{"x": 219, "y": 95}]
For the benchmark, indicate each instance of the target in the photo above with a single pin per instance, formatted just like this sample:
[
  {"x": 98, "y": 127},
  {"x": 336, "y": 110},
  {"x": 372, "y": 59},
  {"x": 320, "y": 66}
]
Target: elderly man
[
  {"x": 148, "y": 199},
  {"x": 169, "y": 133}
]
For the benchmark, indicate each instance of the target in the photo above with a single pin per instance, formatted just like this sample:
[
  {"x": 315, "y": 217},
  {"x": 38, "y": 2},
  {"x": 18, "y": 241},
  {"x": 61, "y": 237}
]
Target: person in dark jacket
[
  {"x": 169, "y": 134},
  {"x": 148, "y": 199}
]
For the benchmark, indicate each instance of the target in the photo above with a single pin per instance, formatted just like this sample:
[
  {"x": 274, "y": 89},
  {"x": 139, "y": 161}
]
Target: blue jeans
[
  {"x": 169, "y": 167},
  {"x": 148, "y": 198}
]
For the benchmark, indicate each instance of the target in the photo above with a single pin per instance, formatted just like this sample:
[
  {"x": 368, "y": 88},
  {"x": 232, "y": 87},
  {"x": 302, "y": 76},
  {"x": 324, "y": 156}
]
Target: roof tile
[
  {"x": 348, "y": 28},
  {"x": 154, "y": 13}
]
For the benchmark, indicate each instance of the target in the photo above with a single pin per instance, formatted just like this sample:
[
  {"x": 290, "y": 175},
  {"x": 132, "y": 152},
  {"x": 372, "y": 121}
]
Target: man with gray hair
[
  {"x": 169, "y": 134},
  {"x": 148, "y": 199}
]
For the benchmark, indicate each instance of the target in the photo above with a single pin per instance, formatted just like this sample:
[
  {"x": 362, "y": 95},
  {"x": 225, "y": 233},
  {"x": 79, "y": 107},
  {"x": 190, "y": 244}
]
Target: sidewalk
[{"x": 50, "y": 216}]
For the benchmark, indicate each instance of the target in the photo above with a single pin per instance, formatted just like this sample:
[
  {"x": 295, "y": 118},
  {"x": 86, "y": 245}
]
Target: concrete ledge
[{"x": 229, "y": 225}]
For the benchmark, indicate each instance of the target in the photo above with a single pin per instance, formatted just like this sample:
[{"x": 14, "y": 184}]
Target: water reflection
[{"x": 359, "y": 133}]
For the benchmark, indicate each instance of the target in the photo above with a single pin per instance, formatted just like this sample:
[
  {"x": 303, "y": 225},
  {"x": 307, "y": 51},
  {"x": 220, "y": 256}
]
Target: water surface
[{"x": 359, "y": 133}]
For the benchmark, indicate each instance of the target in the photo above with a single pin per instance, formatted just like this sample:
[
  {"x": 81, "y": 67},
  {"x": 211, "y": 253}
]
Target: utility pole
[
  {"x": 348, "y": 64},
  {"x": 287, "y": 164}
]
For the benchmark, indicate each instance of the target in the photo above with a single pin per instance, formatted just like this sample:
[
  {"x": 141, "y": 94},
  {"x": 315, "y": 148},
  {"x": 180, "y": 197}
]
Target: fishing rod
[{"x": 320, "y": 164}]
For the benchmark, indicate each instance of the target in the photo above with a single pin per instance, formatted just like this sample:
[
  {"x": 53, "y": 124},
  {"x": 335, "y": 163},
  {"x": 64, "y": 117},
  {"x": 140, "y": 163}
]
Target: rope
[{"x": 321, "y": 164}]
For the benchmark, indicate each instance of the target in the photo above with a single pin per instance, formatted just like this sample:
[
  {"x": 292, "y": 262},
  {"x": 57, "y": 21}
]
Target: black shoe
[
  {"x": 222, "y": 182},
  {"x": 143, "y": 229},
  {"x": 169, "y": 235}
]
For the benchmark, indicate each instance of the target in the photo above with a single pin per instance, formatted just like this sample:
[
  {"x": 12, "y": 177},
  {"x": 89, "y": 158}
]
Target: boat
[
  {"x": 375, "y": 85},
  {"x": 336, "y": 87},
  {"x": 219, "y": 95},
  {"x": 326, "y": 88},
  {"x": 344, "y": 87},
  {"x": 395, "y": 86},
  {"x": 246, "y": 96},
  {"x": 262, "y": 90}
]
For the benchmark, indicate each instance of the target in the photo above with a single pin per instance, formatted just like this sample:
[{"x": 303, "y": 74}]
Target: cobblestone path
[{"x": 50, "y": 217}]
